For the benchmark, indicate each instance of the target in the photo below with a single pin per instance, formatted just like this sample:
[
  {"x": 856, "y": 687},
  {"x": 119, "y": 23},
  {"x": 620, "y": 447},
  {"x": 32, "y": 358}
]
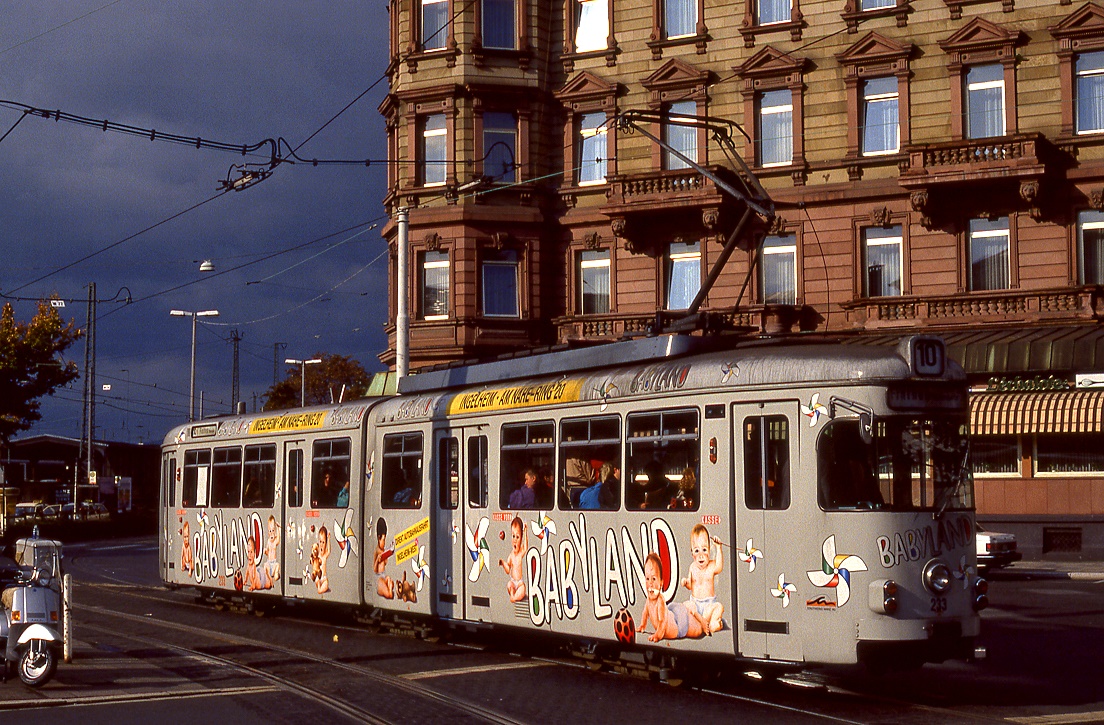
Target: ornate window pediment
[
  {"x": 980, "y": 40},
  {"x": 677, "y": 75},
  {"x": 875, "y": 48},
  {"x": 1083, "y": 27},
  {"x": 585, "y": 88},
  {"x": 770, "y": 62}
]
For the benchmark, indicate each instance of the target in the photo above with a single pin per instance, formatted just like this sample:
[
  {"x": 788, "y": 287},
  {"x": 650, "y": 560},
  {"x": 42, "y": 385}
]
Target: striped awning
[{"x": 1063, "y": 411}]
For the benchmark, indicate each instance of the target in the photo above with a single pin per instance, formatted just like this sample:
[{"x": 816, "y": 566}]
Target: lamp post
[
  {"x": 191, "y": 383},
  {"x": 302, "y": 377}
]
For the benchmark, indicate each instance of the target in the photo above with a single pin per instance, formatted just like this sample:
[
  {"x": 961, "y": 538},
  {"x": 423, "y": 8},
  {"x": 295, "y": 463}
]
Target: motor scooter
[{"x": 30, "y": 629}]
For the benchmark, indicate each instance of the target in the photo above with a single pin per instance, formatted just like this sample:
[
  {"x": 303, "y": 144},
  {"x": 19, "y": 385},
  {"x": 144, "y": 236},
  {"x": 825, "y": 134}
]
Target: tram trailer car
[{"x": 767, "y": 500}]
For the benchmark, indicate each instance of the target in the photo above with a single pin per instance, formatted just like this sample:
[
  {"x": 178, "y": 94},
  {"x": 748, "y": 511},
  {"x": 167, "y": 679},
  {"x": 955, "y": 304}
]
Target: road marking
[
  {"x": 1061, "y": 718},
  {"x": 92, "y": 700},
  {"x": 471, "y": 670}
]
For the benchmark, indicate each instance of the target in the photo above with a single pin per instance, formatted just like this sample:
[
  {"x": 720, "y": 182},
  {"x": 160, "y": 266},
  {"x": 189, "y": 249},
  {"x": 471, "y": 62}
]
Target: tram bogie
[{"x": 765, "y": 501}]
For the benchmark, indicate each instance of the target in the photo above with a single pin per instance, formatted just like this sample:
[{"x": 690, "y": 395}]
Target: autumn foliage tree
[
  {"x": 337, "y": 377},
  {"x": 31, "y": 365}
]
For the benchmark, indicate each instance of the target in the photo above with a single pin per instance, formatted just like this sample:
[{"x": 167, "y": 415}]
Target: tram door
[
  {"x": 168, "y": 523},
  {"x": 294, "y": 521},
  {"x": 460, "y": 487},
  {"x": 766, "y": 455}
]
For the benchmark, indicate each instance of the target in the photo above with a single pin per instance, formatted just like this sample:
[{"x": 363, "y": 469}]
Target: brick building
[{"x": 937, "y": 166}]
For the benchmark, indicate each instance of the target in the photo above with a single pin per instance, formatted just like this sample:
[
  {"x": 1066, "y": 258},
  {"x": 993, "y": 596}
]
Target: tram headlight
[
  {"x": 882, "y": 596},
  {"x": 981, "y": 591},
  {"x": 937, "y": 576}
]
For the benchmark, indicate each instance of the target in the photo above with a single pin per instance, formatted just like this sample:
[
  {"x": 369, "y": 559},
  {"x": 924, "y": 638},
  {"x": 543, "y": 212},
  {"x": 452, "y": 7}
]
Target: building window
[
  {"x": 876, "y": 4},
  {"x": 681, "y": 137},
  {"x": 985, "y": 101},
  {"x": 591, "y": 25},
  {"x": 594, "y": 282},
  {"x": 499, "y": 26},
  {"x": 435, "y": 285},
  {"x": 779, "y": 270},
  {"x": 882, "y": 262},
  {"x": 1089, "y": 105},
  {"x": 994, "y": 455},
  {"x": 989, "y": 254},
  {"x": 772, "y": 11},
  {"x": 593, "y": 148},
  {"x": 1090, "y": 243},
  {"x": 500, "y": 284},
  {"x": 434, "y": 150},
  {"x": 683, "y": 274},
  {"x": 500, "y": 146},
  {"x": 680, "y": 18},
  {"x": 434, "y": 24},
  {"x": 1069, "y": 453},
  {"x": 881, "y": 131},
  {"x": 775, "y": 128}
]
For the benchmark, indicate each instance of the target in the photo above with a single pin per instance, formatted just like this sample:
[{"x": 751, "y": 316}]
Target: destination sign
[{"x": 516, "y": 396}]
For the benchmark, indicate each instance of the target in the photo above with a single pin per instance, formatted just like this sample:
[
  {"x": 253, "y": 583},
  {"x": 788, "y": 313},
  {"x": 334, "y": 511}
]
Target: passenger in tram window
[
  {"x": 545, "y": 489},
  {"x": 524, "y": 497},
  {"x": 514, "y": 566},
  {"x": 252, "y": 494},
  {"x": 655, "y": 486},
  {"x": 385, "y": 585},
  {"x": 343, "y": 496},
  {"x": 686, "y": 494},
  {"x": 609, "y": 495},
  {"x": 325, "y": 494}
]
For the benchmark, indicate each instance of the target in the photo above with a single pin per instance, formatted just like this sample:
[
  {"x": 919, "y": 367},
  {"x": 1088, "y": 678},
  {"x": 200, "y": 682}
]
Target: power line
[{"x": 59, "y": 27}]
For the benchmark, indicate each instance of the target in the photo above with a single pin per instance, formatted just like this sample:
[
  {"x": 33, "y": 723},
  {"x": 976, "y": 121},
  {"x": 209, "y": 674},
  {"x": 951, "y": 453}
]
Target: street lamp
[
  {"x": 191, "y": 384},
  {"x": 302, "y": 376}
]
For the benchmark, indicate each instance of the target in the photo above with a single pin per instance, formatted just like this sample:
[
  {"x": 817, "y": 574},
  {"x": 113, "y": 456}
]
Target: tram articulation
[{"x": 774, "y": 500}]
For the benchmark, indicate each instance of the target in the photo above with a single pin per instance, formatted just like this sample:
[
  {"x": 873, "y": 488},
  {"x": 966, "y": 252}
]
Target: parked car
[
  {"x": 94, "y": 512},
  {"x": 995, "y": 550},
  {"x": 28, "y": 511},
  {"x": 52, "y": 512}
]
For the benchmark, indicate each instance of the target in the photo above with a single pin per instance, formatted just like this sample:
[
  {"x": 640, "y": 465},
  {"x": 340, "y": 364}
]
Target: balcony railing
[
  {"x": 1005, "y": 306},
  {"x": 1018, "y": 156},
  {"x": 662, "y": 188}
]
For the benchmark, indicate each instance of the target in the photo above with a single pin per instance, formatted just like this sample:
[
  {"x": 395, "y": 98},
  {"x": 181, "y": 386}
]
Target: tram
[{"x": 768, "y": 500}]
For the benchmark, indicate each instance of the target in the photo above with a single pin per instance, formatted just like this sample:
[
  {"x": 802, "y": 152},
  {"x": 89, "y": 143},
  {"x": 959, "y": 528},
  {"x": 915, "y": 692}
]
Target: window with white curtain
[
  {"x": 593, "y": 275},
  {"x": 779, "y": 270},
  {"x": 880, "y": 126},
  {"x": 499, "y": 25},
  {"x": 680, "y": 18},
  {"x": 985, "y": 101},
  {"x": 882, "y": 261},
  {"x": 435, "y": 285},
  {"x": 500, "y": 284},
  {"x": 681, "y": 137},
  {"x": 1089, "y": 105},
  {"x": 500, "y": 146},
  {"x": 593, "y": 148},
  {"x": 876, "y": 4},
  {"x": 989, "y": 254},
  {"x": 683, "y": 274},
  {"x": 775, "y": 128},
  {"x": 772, "y": 11},
  {"x": 1090, "y": 243},
  {"x": 435, "y": 15},
  {"x": 434, "y": 150},
  {"x": 591, "y": 25}
]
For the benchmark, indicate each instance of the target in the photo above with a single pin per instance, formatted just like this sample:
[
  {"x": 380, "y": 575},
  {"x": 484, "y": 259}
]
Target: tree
[
  {"x": 337, "y": 377},
  {"x": 31, "y": 365}
]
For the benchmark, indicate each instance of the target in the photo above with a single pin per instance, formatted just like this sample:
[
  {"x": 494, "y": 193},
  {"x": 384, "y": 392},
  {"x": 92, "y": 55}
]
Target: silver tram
[{"x": 770, "y": 500}]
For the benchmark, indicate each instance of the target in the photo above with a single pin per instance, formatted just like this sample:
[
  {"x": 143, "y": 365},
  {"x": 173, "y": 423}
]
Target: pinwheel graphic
[
  {"x": 729, "y": 370},
  {"x": 543, "y": 528},
  {"x": 964, "y": 572},
  {"x": 420, "y": 567},
  {"x": 346, "y": 538},
  {"x": 369, "y": 470},
  {"x": 749, "y": 555},
  {"x": 814, "y": 410},
  {"x": 784, "y": 590},
  {"x": 604, "y": 393},
  {"x": 203, "y": 520},
  {"x": 835, "y": 571},
  {"x": 455, "y": 531},
  {"x": 478, "y": 548}
]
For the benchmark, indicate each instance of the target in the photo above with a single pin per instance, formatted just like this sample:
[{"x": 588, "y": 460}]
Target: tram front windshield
[{"x": 906, "y": 464}]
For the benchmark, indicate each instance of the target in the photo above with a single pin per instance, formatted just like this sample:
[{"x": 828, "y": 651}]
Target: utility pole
[
  {"x": 88, "y": 417},
  {"x": 235, "y": 393}
]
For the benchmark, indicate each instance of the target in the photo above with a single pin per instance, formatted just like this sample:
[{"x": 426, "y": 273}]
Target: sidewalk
[{"x": 1037, "y": 569}]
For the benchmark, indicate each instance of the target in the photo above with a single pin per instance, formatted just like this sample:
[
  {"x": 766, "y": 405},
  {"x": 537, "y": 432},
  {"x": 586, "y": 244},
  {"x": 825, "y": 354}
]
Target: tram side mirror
[{"x": 866, "y": 428}]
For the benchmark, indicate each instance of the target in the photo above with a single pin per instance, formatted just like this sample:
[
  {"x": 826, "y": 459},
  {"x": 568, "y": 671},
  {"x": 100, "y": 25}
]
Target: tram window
[
  {"x": 402, "y": 471},
  {"x": 924, "y": 463},
  {"x": 590, "y": 456},
  {"x": 767, "y": 448},
  {"x": 846, "y": 468},
  {"x": 330, "y": 473},
  {"x": 448, "y": 473},
  {"x": 477, "y": 472},
  {"x": 663, "y": 458},
  {"x": 226, "y": 477},
  {"x": 527, "y": 457},
  {"x": 293, "y": 477},
  {"x": 168, "y": 480},
  {"x": 197, "y": 473},
  {"x": 260, "y": 476}
]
